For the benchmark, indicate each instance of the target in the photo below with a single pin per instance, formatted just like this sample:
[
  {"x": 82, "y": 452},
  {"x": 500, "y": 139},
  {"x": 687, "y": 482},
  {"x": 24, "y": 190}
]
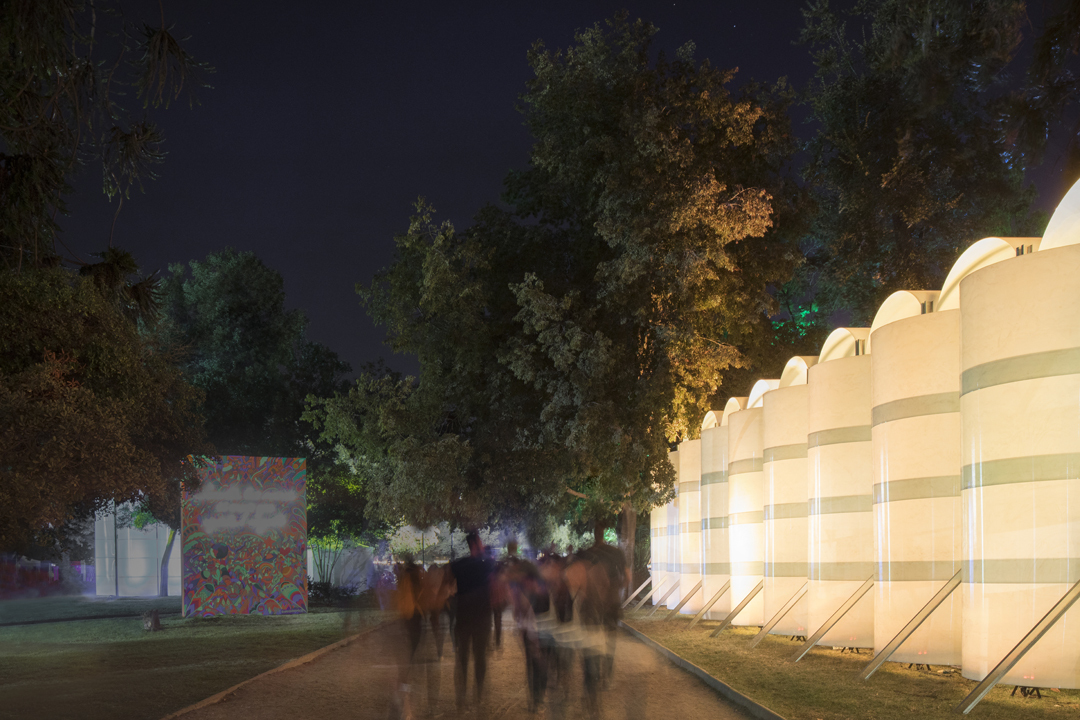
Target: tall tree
[
  {"x": 909, "y": 163},
  {"x": 247, "y": 353},
  {"x": 92, "y": 410},
  {"x": 669, "y": 198}
]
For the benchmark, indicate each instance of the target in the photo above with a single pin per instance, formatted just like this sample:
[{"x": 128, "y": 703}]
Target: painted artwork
[{"x": 244, "y": 536}]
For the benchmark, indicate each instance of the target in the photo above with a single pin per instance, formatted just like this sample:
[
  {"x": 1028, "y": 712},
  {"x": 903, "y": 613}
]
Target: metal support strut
[
  {"x": 685, "y": 599},
  {"x": 912, "y": 626},
  {"x": 738, "y": 609},
  {"x": 840, "y": 612},
  {"x": 665, "y": 596},
  {"x": 630, "y": 598},
  {"x": 708, "y": 605},
  {"x": 779, "y": 616},
  {"x": 655, "y": 589},
  {"x": 1029, "y": 640}
]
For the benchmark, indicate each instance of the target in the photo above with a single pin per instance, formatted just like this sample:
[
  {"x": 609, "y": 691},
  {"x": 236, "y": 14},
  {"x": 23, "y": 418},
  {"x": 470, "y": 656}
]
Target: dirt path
[{"x": 361, "y": 680}]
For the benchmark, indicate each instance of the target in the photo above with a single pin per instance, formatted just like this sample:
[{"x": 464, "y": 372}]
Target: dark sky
[{"x": 327, "y": 120}]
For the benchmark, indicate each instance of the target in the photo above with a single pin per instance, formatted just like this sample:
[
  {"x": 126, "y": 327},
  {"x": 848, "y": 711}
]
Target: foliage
[
  {"x": 247, "y": 353},
  {"x": 65, "y": 68},
  {"x": 666, "y": 199},
  {"x": 909, "y": 163},
  {"x": 91, "y": 410}
]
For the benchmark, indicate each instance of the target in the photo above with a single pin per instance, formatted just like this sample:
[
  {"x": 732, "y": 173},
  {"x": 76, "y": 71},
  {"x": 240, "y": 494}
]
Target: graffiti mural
[{"x": 244, "y": 538}]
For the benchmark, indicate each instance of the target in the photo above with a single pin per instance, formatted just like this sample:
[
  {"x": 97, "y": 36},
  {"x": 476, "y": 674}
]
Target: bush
[{"x": 326, "y": 594}]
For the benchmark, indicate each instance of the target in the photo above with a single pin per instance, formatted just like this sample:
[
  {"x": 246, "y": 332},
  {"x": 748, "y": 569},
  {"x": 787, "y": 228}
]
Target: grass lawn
[
  {"x": 75, "y": 606},
  {"x": 825, "y": 685},
  {"x": 112, "y": 668}
]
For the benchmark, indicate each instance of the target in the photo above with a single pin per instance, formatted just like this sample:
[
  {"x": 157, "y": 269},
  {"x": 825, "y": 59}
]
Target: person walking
[{"x": 472, "y": 627}]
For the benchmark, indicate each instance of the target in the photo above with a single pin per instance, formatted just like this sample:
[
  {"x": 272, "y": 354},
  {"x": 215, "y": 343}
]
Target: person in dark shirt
[{"x": 472, "y": 628}]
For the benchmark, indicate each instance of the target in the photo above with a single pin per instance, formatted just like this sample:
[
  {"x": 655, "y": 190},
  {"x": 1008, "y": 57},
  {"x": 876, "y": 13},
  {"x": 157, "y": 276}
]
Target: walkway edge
[
  {"x": 296, "y": 662},
  {"x": 735, "y": 697}
]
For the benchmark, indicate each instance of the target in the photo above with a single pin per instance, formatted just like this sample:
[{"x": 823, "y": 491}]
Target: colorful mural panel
[{"x": 244, "y": 536}]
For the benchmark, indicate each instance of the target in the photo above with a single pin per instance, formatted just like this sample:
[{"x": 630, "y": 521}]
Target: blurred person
[
  {"x": 535, "y": 621},
  {"x": 612, "y": 577},
  {"x": 472, "y": 625}
]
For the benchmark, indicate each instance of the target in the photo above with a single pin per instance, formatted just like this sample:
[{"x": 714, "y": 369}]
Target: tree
[
  {"x": 247, "y": 353},
  {"x": 92, "y": 410},
  {"x": 668, "y": 197},
  {"x": 66, "y": 64},
  {"x": 566, "y": 341},
  {"x": 909, "y": 163}
]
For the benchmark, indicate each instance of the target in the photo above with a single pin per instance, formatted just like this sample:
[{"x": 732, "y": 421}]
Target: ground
[{"x": 363, "y": 680}]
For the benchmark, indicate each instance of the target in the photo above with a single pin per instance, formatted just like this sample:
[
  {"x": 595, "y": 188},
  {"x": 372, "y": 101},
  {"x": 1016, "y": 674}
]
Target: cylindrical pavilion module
[
  {"x": 784, "y": 462},
  {"x": 915, "y": 364},
  {"x": 1020, "y": 415},
  {"x": 661, "y": 550},
  {"x": 690, "y": 522},
  {"x": 840, "y": 493},
  {"x": 716, "y": 562},
  {"x": 746, "y": 504},
  {"x": 673, "y": 546}
]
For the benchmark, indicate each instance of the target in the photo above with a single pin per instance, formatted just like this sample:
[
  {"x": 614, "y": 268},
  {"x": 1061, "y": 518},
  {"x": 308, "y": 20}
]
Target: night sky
[{"x": 327, "y": 120}]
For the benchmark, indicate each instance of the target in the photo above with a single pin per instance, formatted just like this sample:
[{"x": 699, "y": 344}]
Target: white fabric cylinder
[
  {"x": 716, "y": 564},
  {"x": 784, "y": 463},
  {"x": 746, "y": 502},
  {"x": 916, "y": 460},
  {"x": 840, "y": 498},
  {"x": 1020, "y": 455},
  {"x": 690, "y": 522},
  {"x": 673, "y": 546}
]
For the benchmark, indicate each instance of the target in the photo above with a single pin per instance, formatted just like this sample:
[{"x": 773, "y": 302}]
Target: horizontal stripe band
[
  {"x": 741, "y": 467},
  {"x": 712, "y": 478},
  {"x": 781, "y": 511},
  {"x": 689, "y": 487},
  {"x": 836, "y": 436},
  {"x": 689, "y": 569},
  {"x": 942, "y": 486},
  {"x": 746, "y": 518},
  {"x": 1013, "y": 471},
  {"x": 1050, "y": 363},
  {"x": 720, "y": 568},
  {"x": 841, "y": 571},
  {"x": 840, "y": 504},
  {"x": 715, "y": 523},
  {"x": 917, "y": 570},
  {"x": 935, "y": 404},
  {"x": 690, "y": 527},
  {"x": 786, "y": 569},
  {"x": 784, "y": 452},
  {"x": 754, "y": 567},
  {"x": 1023, "y": 571}
]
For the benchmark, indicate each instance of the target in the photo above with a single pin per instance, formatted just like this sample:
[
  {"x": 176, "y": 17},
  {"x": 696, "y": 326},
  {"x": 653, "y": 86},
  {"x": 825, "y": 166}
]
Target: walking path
[{"x": 363, "y": 680}]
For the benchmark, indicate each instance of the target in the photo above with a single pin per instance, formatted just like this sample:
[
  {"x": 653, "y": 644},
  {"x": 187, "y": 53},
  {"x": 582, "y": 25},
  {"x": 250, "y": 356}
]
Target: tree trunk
[
  {"x": 600, "y": 524},
  {"x": 629, "y": 524},
  {"x": 163, "y": 585}
]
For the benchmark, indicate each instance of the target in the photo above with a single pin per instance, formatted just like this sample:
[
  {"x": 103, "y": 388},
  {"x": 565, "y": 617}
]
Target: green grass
[
  {"x": 825, "y": 685},
  {"x": 112, "y": 668},
  {"x": 75, "y": 606}
]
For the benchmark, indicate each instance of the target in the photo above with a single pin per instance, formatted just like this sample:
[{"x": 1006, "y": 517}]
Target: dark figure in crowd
[
  {"x": 532, "y": 605},
  {"x": 472, "y": 627}
]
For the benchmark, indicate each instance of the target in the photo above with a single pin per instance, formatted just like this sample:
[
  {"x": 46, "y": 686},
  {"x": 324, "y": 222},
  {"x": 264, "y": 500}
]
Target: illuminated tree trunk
[{"x": 163, "y": 585}]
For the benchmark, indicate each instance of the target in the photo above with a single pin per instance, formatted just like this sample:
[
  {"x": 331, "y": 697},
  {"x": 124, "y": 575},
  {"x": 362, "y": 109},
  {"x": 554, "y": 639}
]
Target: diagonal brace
[
  {"x": 685, "y": 599},
  {"x": 1007, "y": 663},
  {"x": 738, "y": 609},
  {"x": 656, "y": 589},
  {"x": 665, "y": 596},
  {"x": 835, "y": 618},
  {"x": 912, "y": 626},
  {"x": 708, "y": 605},
  {"x": 780, "y": 615},
  {"x": 630, "y": 598}
]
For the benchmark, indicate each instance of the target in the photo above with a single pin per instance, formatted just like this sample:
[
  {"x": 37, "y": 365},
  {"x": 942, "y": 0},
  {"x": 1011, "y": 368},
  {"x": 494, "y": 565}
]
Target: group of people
[{"x": 563, "y": 607}]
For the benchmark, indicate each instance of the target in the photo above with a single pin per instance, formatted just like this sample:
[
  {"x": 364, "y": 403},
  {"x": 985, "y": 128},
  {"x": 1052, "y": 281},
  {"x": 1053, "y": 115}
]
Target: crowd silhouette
[{"x": 564, "y": 608}]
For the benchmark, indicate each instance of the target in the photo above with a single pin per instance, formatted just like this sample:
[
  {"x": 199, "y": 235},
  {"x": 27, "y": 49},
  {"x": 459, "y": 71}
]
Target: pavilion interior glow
[{"x": 943, "y": 439}]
